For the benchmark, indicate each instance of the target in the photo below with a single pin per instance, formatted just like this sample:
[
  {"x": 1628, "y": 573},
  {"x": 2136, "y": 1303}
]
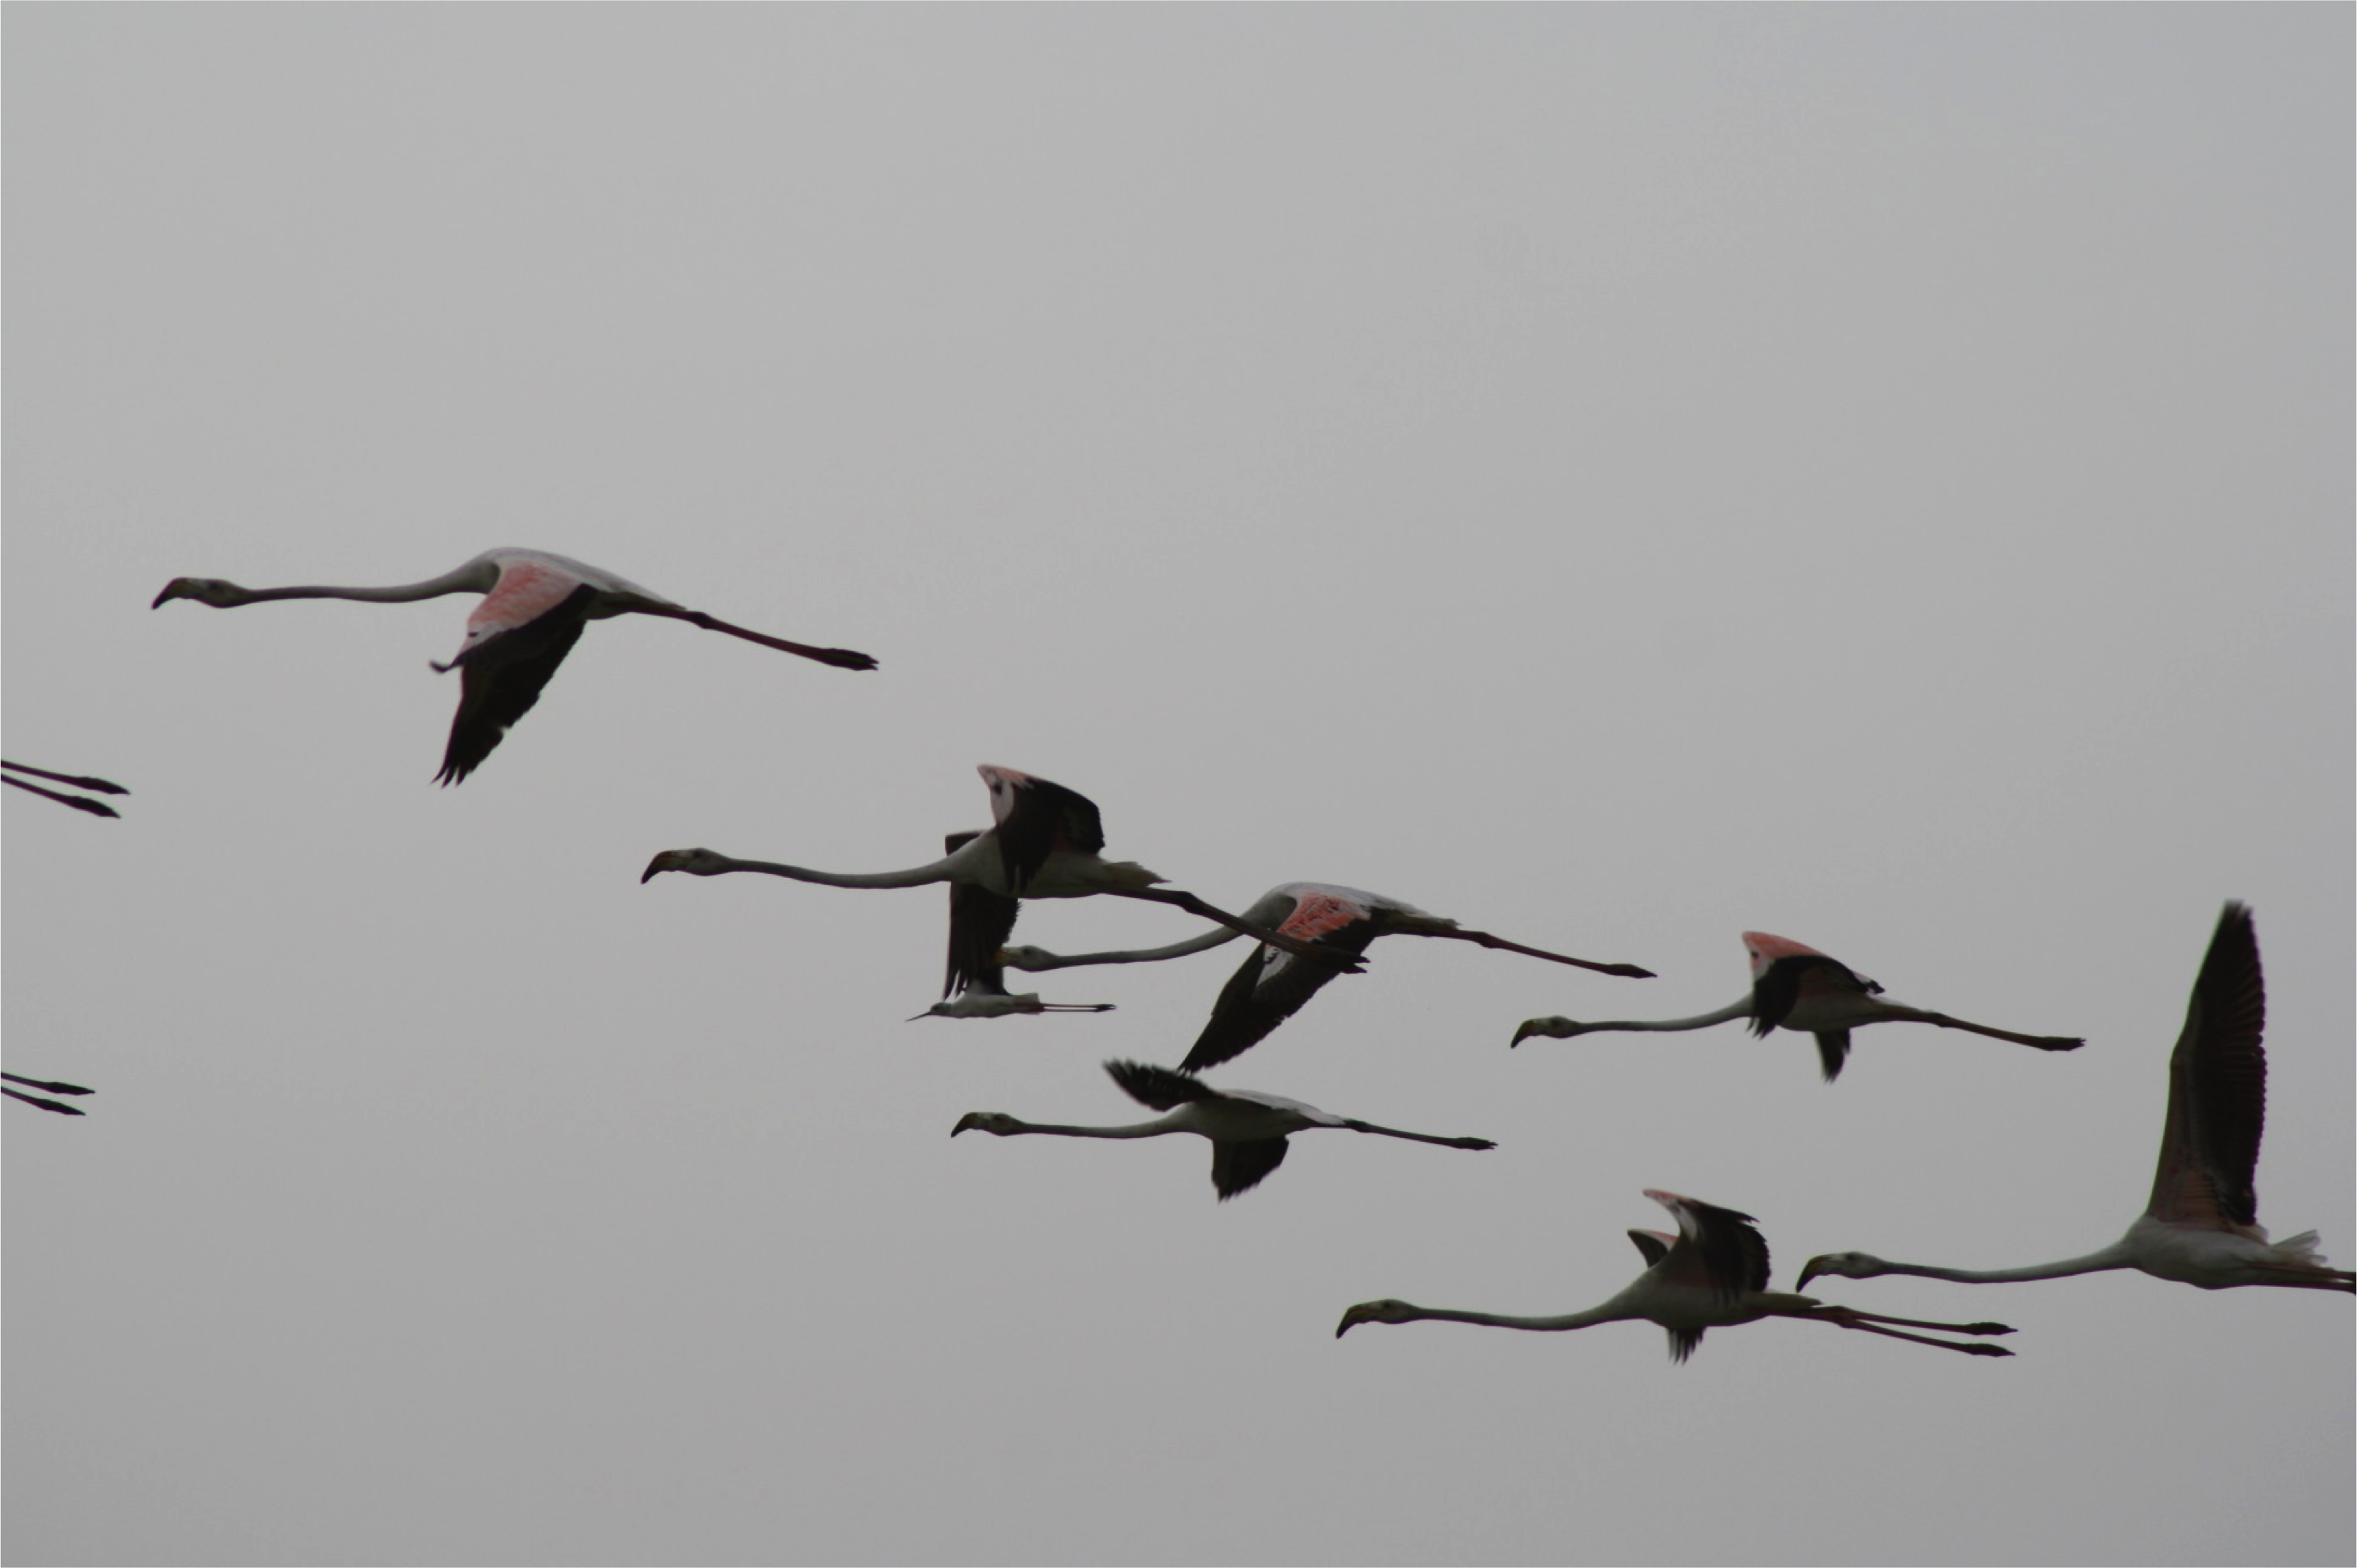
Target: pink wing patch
[
  {"x": 1765, "y": 949},
  {"x": 1318, "y": 913},
  {"x": 1004, "y": 782},
  {"x": 526, "y": 591}
]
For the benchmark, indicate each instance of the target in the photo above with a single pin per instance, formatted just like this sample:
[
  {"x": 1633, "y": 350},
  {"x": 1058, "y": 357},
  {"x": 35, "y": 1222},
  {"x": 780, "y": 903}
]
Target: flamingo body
[
  {"x": 1713, "y": 1274},
  {"x": 1794, "y": 986},
  {"x": 535, "y": 603},
  {"x": 1274, "y": 984},
  {"x": 2201, "y": 1227},
  {"x": 1247, "y": 1128},
  {"x": 1042, "y": 844}
]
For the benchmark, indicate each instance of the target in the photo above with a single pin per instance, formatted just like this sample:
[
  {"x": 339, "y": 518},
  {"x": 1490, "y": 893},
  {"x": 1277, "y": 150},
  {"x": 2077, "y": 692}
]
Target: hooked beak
[
  {"x": 1809, "y": 1270},
  {"x": 667, "y": 861}
]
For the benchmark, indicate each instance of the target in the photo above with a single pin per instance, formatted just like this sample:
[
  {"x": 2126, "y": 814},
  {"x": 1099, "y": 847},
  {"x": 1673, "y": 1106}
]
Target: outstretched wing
[
  {"x": 1159, "y": 1088},
  {"x": 2217, "y": 1088},
  {"x": 980, "y": 923},
  {"x": 1718, "y": 1248},
  {"x": 500, "y": 678},
  {"x": 1239, "y": 1167},
  {"x": 1272, "y": 985},
  {"x": 1035, "y": 819}
]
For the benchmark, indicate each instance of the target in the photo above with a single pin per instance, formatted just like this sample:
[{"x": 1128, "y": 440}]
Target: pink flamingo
[
  {"x": 2203, "y": 1225},
  {"x": 1712, "y": 1274},
  {"x": 1043, "y": 844},
  {"x": 1796, "y": 987},
  {"x": 1272, "y": 986},
  {"x": 535, "y": 606},
  {"x": 1247, "y": 1130}
]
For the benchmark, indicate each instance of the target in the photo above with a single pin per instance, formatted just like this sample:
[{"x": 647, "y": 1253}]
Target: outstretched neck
[
  {"x": 1153, "y": 1129},
  {"x": 1733, "y": 1010},
  {"x": 2115, "y": 1256},
  {"x": 474, "y": 578},
  {"x": 917, "y": 876},
  {"x": 1592, "y": 1316}
]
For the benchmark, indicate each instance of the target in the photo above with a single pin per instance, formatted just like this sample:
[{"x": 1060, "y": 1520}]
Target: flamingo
[
  {"x": 1247, "y": 1128},
  {"x": 535, "y": 606},
  {"x": 52, "y": 1088},
  {"x": 2201, "y": 1226},
  {"x": 981, "y": 920},
  {"x": 1794, "y": 986},
  {"x": 1043, "y": 844},
  {"x": 95, "y": 808},
  {"x": 1272, "y": 986},
  {"x": 1712, "y": 1274}
]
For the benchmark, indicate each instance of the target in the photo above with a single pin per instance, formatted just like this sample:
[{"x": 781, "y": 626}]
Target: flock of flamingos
[{"x": 1045, "y": 841}]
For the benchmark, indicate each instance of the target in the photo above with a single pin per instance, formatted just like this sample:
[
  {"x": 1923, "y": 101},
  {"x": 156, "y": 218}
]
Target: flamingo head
[
  {"x": 1025, "y": 958},
  {"x": 210, "y": 591},
  {"x": 1560, "y": 1028},
  {"x": 998, "y": 1124},
  {"x": 1385, "y": 1311},
  {"x": 1848, "y": 1265},
  {"x": 694, "y": 861}
]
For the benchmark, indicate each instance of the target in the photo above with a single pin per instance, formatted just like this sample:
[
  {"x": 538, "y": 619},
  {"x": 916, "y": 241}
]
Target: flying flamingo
[
  {"x": 1043, "y": 844},
  {"x": 1272, "y": 986},
  {"x": 1797, "y": 987},
  {"x": 535, "y": 606},
  {"x": 1712, "y": 1274},
  {"x": 95, "y": 808},
  {"x": 37, "y": 1100},
  {"x": 980, "y": 920},
  {"x": 1247, "y": 1130},
  {"x": 2203, "y": 1224}
]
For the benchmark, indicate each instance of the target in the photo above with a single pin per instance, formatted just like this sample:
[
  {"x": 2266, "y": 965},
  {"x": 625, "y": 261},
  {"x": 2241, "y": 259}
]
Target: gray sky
[{"x": 1615, "y": 476}]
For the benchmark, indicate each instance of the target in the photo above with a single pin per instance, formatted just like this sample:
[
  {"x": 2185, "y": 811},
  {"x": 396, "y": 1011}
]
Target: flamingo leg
[
  {"x": 841, "y": 658},
  {"x": 95, "y": 808},
  {"x": 1485, "y": 940}
]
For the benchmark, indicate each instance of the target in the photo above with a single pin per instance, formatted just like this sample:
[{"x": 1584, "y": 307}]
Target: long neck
[
  {"x": 1153, "y": 1129},
  {"x": 475, "y": 577},
  {"x": 1204, "y": 943},
  {"x": 1741, "y": 1009},
  {"x": 1592, "y": 1316},
  {"x": 2115, "y": 1256},
  {"x": 938, "y": 871}
]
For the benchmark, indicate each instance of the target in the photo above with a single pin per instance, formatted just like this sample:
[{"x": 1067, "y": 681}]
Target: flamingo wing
[
  {"x": 1272, "y": 985},
  {"x": 1718, "y": 1248},
  {"x": 2217, "y": 1088},
  {"x": 1833, "y": 1050},
  {"x": 1239, "y": 1167},
  {"x": 1653, "y": 1244},
  {"x": 1035, "y": 819},
  {"x": 500, "y": 676},
  {"x": 980, "y": 923},
  {"x": 1160, "y": 1089}
]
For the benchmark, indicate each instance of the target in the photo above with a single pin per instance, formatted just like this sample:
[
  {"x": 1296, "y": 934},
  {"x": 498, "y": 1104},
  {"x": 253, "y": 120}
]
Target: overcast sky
[{"x": 1615, "y": 476}]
